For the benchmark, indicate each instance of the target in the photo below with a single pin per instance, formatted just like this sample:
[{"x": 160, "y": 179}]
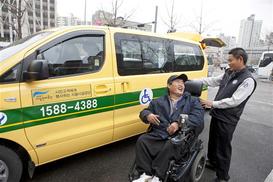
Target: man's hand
[
  {"x": 206, "y": 103},
  {"x": 173, "y": 128},
  {"x": 153, "y": 119}
]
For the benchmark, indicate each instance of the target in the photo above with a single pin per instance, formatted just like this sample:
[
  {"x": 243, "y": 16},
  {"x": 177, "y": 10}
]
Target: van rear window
[{"x": 188, "y": 57}]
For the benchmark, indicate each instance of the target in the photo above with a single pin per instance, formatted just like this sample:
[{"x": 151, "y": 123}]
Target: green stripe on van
[
  {"x": 36, "y": 115},
  {"x": 32, "y": 116}
]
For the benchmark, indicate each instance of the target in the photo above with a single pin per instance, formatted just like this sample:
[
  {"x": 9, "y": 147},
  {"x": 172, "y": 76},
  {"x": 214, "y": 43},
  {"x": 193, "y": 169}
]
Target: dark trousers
[
  {"x": 219, "y": 146},
  {"x": 153, "y": 155}
]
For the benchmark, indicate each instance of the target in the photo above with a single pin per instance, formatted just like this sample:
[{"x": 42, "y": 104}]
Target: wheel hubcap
[
  {"x": 4, "y": 172},
  {"x": 200, "y": 168}
]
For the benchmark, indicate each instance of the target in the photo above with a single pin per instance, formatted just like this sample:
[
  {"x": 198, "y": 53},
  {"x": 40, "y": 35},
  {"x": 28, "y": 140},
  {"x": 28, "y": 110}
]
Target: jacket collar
[{"x": 180, "y": 103}]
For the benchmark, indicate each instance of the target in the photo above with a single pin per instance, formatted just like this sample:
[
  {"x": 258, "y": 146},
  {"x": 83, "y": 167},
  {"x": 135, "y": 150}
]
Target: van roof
[
  {"x": 123, "y": 30},
  {"x": 66, "y": 29}
]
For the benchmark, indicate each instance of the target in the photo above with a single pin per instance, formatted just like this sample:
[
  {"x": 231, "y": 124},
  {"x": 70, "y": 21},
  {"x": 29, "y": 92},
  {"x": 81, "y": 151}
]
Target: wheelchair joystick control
[
  {"x": 177, "y": 140},
  {"x": 182, "y": 119}
]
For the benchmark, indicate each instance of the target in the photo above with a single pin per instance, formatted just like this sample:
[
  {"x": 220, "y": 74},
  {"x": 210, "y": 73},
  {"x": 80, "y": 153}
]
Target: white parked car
[
  {"x": 223, "y": 65},
  {"x": 3, "y": 44}
]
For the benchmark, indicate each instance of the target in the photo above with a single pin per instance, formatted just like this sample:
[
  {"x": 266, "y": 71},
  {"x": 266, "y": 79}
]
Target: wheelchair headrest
[{"x": 194, "y": 87}]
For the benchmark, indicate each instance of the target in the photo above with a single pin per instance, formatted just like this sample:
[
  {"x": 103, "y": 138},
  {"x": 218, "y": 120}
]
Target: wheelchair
[{"x": 190, "y": 165}]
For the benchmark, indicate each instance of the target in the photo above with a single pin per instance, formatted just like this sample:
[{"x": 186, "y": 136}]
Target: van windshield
[
  {"x": 267, "y": 59},
  {"x": 265, "y": 62},
  {"x": 21, "y": 44},
  {"x": 268, "y": 55}
]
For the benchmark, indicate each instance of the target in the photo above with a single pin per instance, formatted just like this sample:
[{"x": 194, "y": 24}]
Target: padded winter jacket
[{"x": 187, "y": 105}]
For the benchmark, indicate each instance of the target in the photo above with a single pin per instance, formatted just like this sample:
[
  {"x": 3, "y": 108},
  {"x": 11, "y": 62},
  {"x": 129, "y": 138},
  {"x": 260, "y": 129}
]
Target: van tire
[{"x": 11, "y": 165}]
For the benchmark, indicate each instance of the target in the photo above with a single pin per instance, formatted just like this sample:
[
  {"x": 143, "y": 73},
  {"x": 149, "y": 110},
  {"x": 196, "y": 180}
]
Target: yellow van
[{"x": 68, "y": 90}]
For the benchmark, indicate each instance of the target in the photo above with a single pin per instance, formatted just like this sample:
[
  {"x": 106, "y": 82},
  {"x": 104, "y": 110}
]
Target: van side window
[
  {"x": 11, "y": 75},
  {"x": 130, "y": 57},
  {"x": 140, "y": 54},
  {"x": 154, "y": 54},
  {"x": 188, "y": 57},
  {"x": 78, "y": 55}
]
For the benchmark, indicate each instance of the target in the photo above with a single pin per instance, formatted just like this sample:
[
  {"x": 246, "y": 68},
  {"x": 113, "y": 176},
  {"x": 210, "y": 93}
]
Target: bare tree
[
  {"x": 172, "y": 19},
  {"x": 15, "y": 18},
  {"x": 269, "y": 39},
  {"x": 113, "y": 18},
  {"x": 199, "y": 24}
]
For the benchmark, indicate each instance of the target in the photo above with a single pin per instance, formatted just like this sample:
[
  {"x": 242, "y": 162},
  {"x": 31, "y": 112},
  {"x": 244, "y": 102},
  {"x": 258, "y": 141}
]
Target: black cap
[{"x": 175, "y": 77}]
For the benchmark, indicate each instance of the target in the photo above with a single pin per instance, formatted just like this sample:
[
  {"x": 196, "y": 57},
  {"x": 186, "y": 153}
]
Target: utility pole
[
  {"x": 85, "y": 12},
  {"x": 201, "y": 18},
  {"x": 172, "y": 18},
  {"x": 155, "y": 22}
]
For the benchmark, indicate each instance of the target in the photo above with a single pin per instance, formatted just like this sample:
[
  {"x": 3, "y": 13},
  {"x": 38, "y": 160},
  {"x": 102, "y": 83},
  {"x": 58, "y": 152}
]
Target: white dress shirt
[{"x": 243, "y": 91}]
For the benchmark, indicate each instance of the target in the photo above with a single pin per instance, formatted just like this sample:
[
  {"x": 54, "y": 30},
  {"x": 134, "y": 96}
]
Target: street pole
[
  {"x": 85, "y": 12},
  {"x": 201, "y": 19},
  {"x": 155, "y": 22},
  {"x": 172, "y": 22}
]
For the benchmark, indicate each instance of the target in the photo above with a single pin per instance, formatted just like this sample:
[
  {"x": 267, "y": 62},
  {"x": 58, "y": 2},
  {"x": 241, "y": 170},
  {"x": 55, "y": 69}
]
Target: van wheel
[
  {"x": 11, "y": 166},
  {"x": 198, "y": 167}
]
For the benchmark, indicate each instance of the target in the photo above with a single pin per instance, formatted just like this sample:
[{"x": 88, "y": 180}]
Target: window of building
[{"x": 74, "y": 56}]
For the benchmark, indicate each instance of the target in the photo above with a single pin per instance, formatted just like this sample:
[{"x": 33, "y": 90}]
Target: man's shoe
[
  {"x": 210, "y": 165},
  {"x": 155, "y": 179},
  {"x": 219, "y": 180},
  {"x": 143, "y": 178}
]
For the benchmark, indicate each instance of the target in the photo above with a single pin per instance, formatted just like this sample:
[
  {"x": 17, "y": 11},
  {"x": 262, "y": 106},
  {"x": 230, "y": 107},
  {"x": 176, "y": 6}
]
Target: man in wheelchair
[{"x": 155, "y": 149}]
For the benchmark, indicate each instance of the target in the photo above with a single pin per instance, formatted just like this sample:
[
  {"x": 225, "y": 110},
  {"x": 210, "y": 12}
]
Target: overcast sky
[{"x": 219, "y": 16}]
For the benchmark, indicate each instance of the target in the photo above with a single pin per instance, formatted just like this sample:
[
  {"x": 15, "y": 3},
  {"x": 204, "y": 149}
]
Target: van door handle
[
  {"x": 102, "y": 89},
  {"x": 125, "y": 86}
]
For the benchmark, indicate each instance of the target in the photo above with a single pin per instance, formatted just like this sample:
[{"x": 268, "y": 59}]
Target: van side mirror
[{"x": 37, "y": 70}]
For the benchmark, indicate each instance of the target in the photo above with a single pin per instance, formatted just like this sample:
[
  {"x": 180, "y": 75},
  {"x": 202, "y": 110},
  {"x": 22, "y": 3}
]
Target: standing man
[{"x": 236, "y": 86}]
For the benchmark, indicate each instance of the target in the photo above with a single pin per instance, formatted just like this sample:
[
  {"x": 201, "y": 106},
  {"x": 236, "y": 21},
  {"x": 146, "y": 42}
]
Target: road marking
[
  {"x": 269, "y": 177},
  {"x": 260, "y": 102}
]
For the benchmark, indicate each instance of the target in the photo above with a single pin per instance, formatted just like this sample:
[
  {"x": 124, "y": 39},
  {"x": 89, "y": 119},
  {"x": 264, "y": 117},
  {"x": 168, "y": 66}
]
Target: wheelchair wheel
[{"x": 198, "y": 166}]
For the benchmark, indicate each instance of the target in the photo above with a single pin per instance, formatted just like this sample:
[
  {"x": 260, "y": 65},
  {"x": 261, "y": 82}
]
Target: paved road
[{"x": 252, "y": 158}]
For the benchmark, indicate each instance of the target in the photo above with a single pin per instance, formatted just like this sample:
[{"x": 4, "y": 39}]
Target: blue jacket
[{"x": 187, "y": 105}]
